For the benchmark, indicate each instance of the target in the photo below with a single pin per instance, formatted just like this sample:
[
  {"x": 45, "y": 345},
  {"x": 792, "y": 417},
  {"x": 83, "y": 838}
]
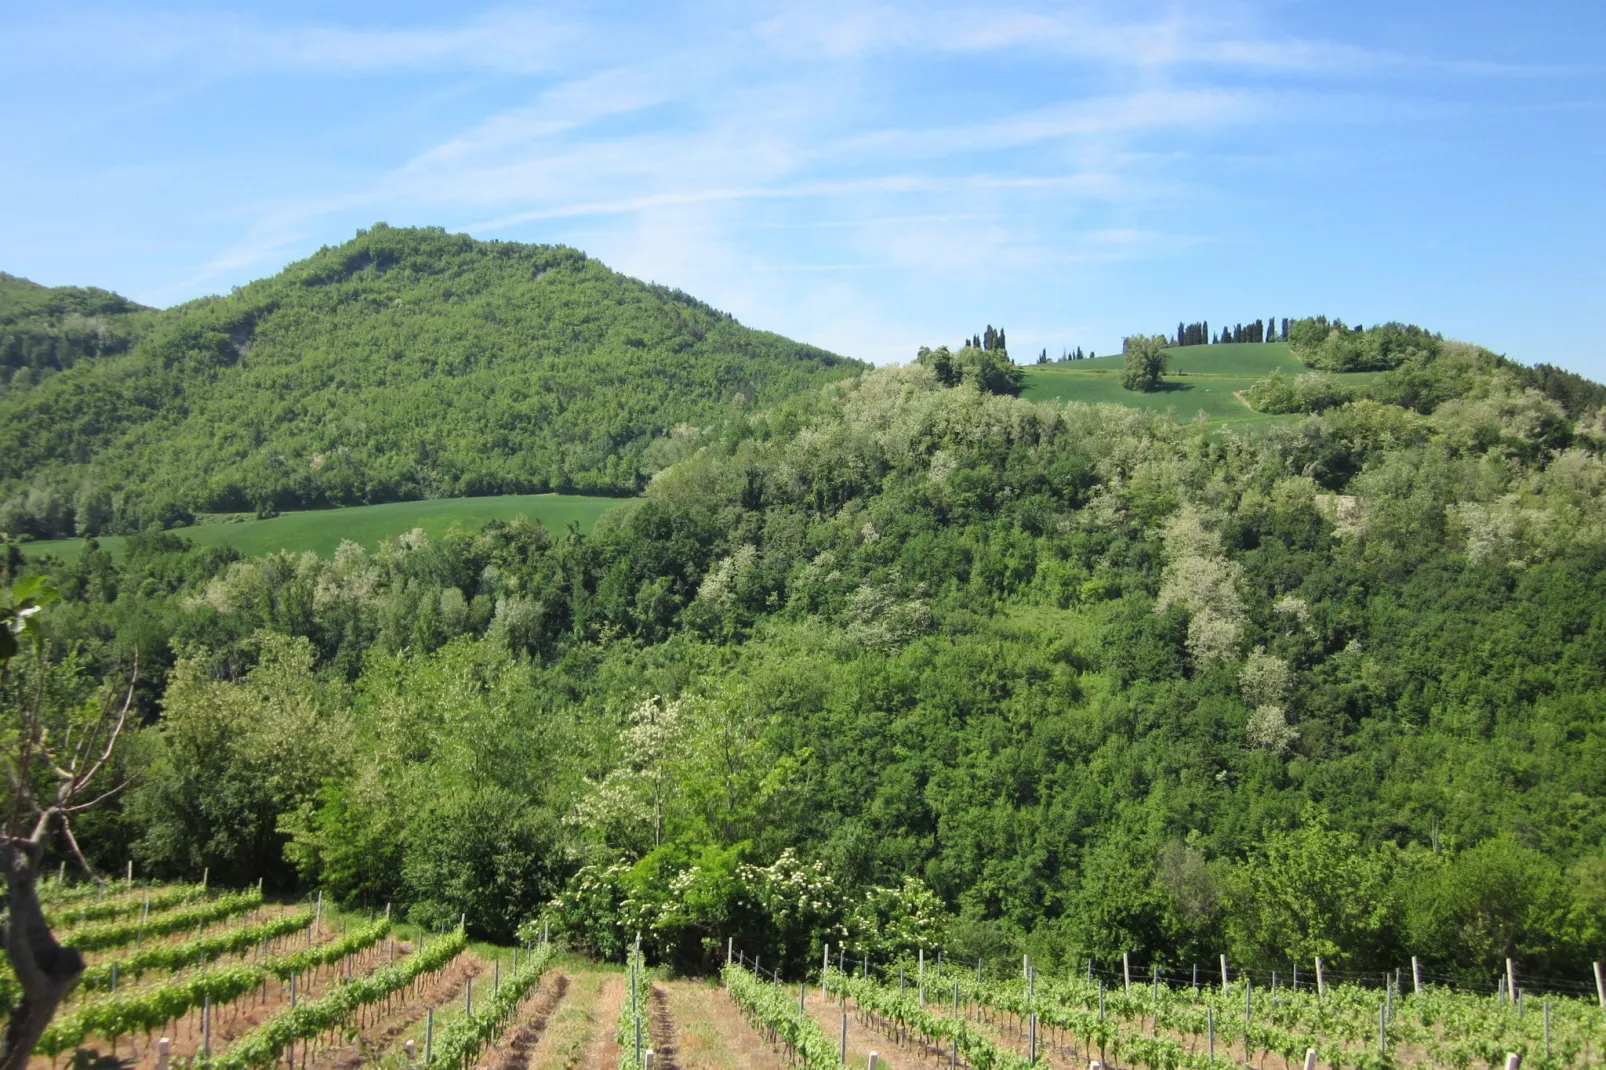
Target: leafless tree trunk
[
  {"x": 46, "y": 970},
  {"x": 54, "y": 762}
]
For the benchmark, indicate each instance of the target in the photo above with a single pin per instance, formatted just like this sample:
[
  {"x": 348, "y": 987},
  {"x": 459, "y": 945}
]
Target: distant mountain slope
[
  {"x": 406, "y": 363},
  {"x": 44, "y": 329}
]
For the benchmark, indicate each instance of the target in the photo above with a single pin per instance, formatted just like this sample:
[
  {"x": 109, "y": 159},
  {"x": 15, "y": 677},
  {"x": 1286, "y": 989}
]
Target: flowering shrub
[{"x": 889, "y": 923}]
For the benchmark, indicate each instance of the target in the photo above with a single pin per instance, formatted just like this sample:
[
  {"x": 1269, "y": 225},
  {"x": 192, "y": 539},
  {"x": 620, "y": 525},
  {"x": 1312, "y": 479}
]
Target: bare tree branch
[
  {"x": 117, "y": 730},
  {"x": 72, "y": 842},
  {"x": 102, "y": 797}
]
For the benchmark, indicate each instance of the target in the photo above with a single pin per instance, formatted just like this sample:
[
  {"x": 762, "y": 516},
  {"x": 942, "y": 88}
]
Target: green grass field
[
  {"x": 1199, "y": 379},
  {"x": 322, "y": 530}
]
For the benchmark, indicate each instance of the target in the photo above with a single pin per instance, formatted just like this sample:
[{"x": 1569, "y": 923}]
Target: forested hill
[
  {"x": 406, "y": 363},
  {"x": 44, "y": 329},
  {"x": 905, "y": 663}
]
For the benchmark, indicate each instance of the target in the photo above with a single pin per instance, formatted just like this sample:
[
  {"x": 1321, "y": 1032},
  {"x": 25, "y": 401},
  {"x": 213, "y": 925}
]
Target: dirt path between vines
[
  {"x": 602, "y": 1050},
  {"x": 710, "y": 1032},
  {"x": 562, "y": 1045},
  {"x": 516, "y": 1045}
]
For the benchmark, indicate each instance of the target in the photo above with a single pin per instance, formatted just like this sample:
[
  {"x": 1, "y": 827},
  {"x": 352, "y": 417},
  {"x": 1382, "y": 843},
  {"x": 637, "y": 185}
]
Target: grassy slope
[
  {"x": 321, "y": 530},
  {"x": 1200, "y": 378}
]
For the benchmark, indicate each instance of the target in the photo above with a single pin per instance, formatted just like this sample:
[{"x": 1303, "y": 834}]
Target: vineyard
[
  {"x": 185, "y": 977},
  {"x": 177, "y": 976}
]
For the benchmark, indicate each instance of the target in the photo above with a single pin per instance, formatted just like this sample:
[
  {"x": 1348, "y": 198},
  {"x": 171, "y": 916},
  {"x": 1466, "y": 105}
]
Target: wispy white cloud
[{"x": 683, "y": 153}]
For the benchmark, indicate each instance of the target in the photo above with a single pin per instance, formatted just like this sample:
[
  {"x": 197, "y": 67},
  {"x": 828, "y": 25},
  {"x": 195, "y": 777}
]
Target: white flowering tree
[
  {"x": 1201, "y": 579},
  {"x": 890, "y": 923},
  {"x": 799, "y": 900},
  {"x": 633, "y": 796}
]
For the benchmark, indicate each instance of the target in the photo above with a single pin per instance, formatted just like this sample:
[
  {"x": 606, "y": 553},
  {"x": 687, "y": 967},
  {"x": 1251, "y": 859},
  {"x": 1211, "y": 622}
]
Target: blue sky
[{"x": 868, "y": 177}]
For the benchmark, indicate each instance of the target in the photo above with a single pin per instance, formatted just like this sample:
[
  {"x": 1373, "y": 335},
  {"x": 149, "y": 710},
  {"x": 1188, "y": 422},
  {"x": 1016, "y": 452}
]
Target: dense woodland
[
  {"x": 46, "y": 329},
  {"x": 907, "y": 661},
  {"x": 404, "y": 364}
]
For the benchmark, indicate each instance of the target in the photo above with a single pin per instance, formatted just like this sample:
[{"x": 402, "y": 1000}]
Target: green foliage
[
  {"x": 1143, "y": 362},
  {"x": 1336, "y": 348},
  {"x": 20, "y": 604},
  {"x": 989, "y": 370},
  {"x": 405, "y": 364},
  {"x": 933, "y": 666},
  {"x": 1312, "y": 892},
  {"x": 485, "y": 853},
  {"x": 46, "y": 329},
  {"x": 1308, "y": 393},
  {"x": 266, "y": 1043},
  {"x": 776, "y": 1015},
  {"x": 460, "y": 1043},
  {"x": 230, "y": 757}
]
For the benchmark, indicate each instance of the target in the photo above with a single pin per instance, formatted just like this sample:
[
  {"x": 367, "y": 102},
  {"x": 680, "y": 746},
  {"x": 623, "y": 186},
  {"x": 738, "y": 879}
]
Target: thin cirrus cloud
[
  {"x": 666, "y": 135},
  {"x": 785, "y": 159}
]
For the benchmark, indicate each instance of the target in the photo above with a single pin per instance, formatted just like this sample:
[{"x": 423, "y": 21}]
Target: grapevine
[
  {"x": 201, "y": 950},
  {"x": 461, "y": 1042},
  {"x": 889, "y": 1005},
  {"x": 263, "y": 1045},
  {"x": 168, "y": 956},
  {"x": 780, "y": 1018},
  {"x": 131, "y": 903},
  {"x": 145, "y": 1009},
  {"x": 633, "y": 1007},
  {"x": 96, "y": 937}
]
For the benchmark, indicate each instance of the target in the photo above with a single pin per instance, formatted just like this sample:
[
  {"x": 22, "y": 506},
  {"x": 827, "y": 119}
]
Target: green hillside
[
  {"x": 322, "y": 530},
  {"x": 404, "y": 364},
  {"x": 1204, "y": 378},
  {"x": 908, "y": 663},
  {"x": 45, "y": 329}
]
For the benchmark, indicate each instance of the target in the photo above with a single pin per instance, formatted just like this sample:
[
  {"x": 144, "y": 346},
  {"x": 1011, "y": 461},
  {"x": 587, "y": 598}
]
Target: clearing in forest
[{"x": 1199, "y": 379}]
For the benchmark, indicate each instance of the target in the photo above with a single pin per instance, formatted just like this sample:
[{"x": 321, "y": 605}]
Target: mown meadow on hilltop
[
  {"x": 1210, "y": 379},
  {"x": 901, "y": 663},
  {"x": 405, "y": 364}
]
